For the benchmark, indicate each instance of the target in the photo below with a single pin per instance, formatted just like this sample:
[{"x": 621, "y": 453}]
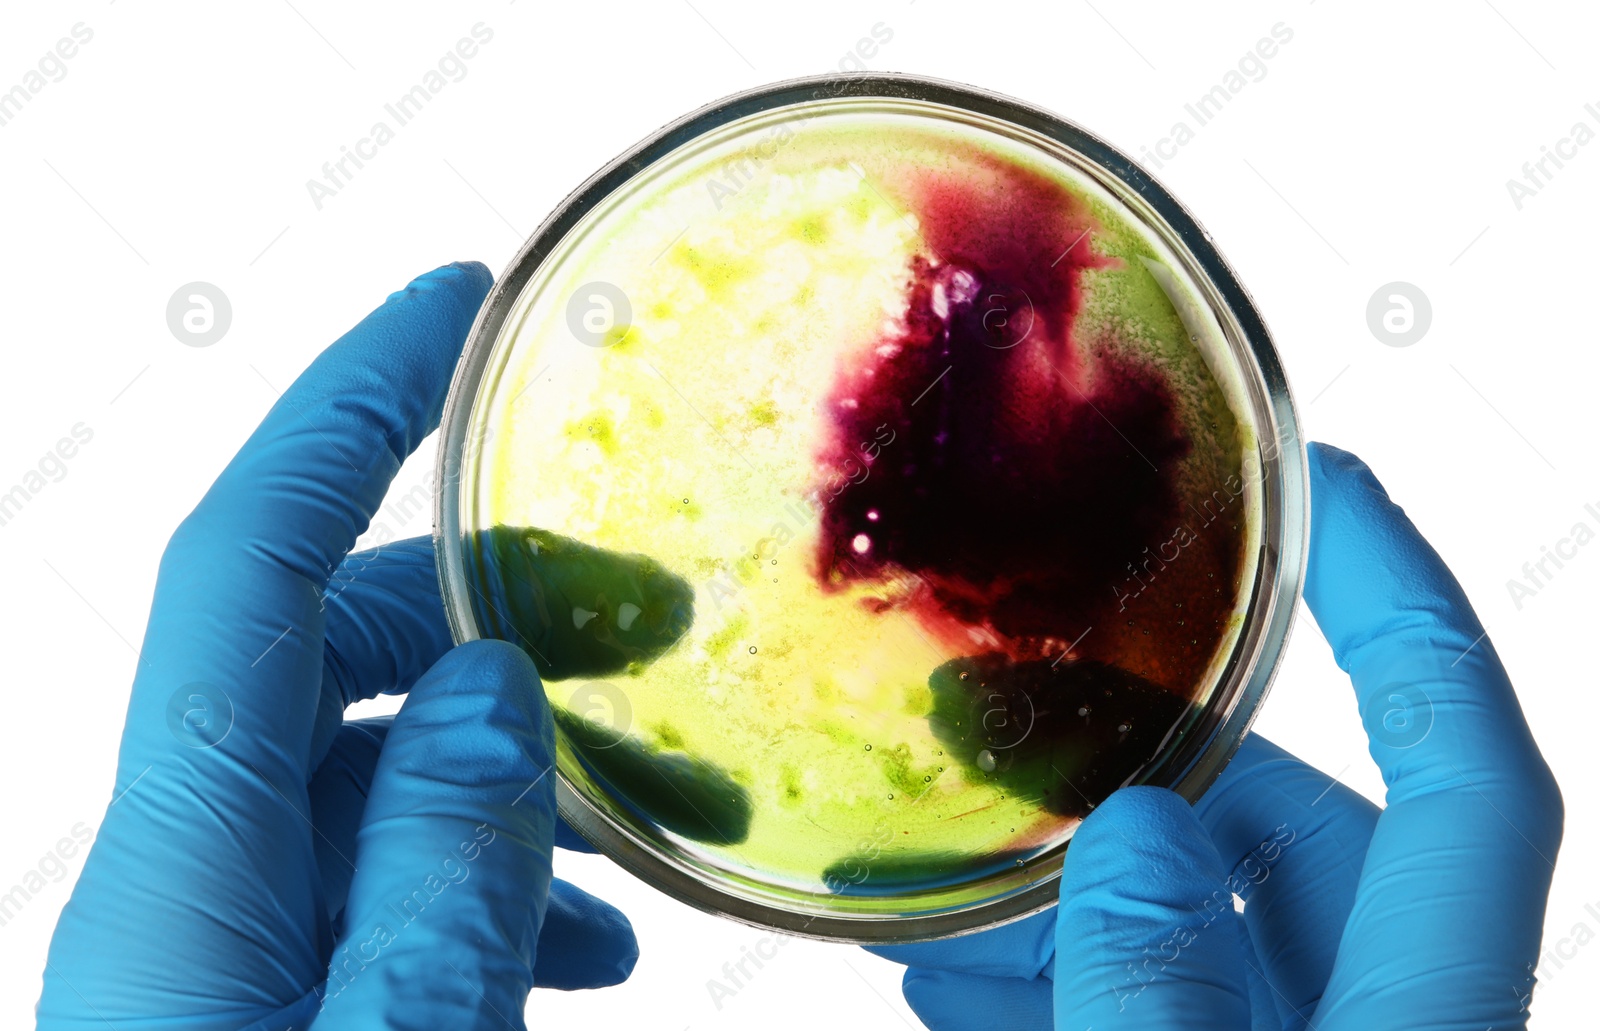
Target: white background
[{"x": 1376, "y": 148}]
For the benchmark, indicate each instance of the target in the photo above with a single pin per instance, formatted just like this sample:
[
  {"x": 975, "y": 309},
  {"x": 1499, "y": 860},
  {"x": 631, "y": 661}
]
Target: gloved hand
[
  {"x": 265, "y": 864},
  {"x": 1426, "y": 914}
]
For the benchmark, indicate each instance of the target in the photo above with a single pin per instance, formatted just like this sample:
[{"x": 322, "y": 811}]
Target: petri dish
[{"x": 880, "y": 472}]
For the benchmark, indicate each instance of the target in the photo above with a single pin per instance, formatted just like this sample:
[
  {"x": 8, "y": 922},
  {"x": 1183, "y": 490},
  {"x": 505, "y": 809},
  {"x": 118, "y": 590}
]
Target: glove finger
[
  {"x": 453, "y": 855},
  {"x": 1294, "y": 841},
  {"x": 1147, "y": 935},
  {"x": 1242, "y": 812},
  {"x": 948, "y": 1000},
  {"x": 339, "y": 793},
  {"x": 385, "y": 627},
  {"x": 338, "y": 796},
  {"x": 594, "y": 944},
  {"x": 241, "y": 601},
  {"x": 215, "y": 756},
  {"x": 1464, "y": 851},
  {"x": 585, "y": 942}
]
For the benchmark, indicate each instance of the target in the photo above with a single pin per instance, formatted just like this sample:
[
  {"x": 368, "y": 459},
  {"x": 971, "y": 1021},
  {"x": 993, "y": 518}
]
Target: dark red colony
[{"x": 1001, "y": 486}]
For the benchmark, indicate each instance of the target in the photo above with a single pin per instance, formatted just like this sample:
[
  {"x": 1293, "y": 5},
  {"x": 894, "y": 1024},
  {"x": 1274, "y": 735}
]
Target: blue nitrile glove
[
  {"x": 264, "y": 864},
  {"x": 1424, "y": 915}
]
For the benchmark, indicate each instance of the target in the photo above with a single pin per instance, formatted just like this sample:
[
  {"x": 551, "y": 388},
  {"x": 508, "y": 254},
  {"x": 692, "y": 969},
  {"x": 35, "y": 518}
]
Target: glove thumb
[{"x": 453, "y": 855}]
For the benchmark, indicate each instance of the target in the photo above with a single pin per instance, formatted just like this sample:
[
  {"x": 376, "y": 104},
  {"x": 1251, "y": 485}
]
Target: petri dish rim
[{"x": 1278, "y": 452}]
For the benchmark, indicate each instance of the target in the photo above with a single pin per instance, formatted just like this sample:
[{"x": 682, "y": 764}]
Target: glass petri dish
[{"x": 880, "y": 472}]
